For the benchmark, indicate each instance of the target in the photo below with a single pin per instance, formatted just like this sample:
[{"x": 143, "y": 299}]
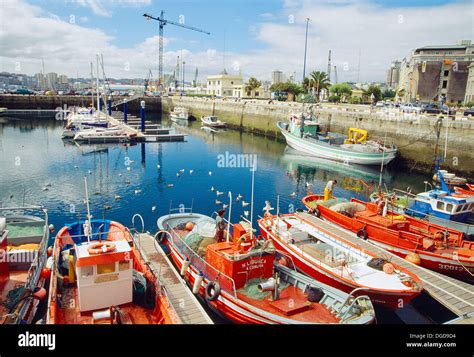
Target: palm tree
[
  {"x": 319, "y": 81},
  {"x": 252, "y": 84}
]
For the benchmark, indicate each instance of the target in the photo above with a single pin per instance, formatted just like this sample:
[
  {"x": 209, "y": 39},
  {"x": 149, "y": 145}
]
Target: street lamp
[{"x": 183, "y": 74}]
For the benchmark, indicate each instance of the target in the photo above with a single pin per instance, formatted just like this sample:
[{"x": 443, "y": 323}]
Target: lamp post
[
  {"x": 183, "y": 74},
  {"x": 304, "y": 75}
]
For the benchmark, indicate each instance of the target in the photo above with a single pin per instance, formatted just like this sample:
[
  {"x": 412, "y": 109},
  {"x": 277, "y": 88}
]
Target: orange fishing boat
[
  {"x": 99, "y": 277},
  {"x": 327, "y": 257},
  {"x": 244, "y": 279},
  {"x": 432, "y": 246}
]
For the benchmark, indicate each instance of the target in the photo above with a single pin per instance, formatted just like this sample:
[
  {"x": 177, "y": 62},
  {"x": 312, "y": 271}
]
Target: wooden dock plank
[
  {"x": 456, "y": 295},
  {"x": 185, "y": 304}
]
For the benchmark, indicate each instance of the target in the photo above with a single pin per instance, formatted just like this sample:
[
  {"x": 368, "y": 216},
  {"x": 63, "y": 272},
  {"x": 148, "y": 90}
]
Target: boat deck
[
  {"x": 456, "y": 295},
  {"x": 186, "y": 305}
]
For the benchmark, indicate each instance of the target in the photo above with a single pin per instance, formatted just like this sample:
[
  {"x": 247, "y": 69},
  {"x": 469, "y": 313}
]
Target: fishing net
[
  {"x": 348, "y": 208},
  {"x": 193, "y": 240},
  {"x": 14, "y": 296},
  {"x": 251, "y": 289},
  {"x": 328, "y": 203}
]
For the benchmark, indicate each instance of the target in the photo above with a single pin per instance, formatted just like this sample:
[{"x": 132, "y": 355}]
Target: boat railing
[
  {"x": 38, "y": 263},
  {"x": 227, "y": 284}
]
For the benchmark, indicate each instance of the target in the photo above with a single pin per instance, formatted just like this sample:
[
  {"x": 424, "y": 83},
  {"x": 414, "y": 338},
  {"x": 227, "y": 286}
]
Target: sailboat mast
[
  {"x": 92, "y": 85},
  {"x": 304, "y": 75},
  {"x": 88, "y": 208},
  {"x": 446, "y": 139},
  {"x": 98, "y": 96},
  {"x": 251, "y": 207}
]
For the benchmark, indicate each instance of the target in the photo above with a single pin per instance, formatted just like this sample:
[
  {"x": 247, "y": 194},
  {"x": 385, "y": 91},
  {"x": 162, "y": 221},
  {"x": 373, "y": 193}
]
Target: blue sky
[{"x": 259, "y": 36}]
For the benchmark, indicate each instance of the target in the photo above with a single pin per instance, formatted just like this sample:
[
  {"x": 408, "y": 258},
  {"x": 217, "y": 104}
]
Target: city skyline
[{"x": 253, "y": 41}]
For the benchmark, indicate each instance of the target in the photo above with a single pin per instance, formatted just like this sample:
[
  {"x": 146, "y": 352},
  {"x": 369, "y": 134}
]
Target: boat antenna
[
  {"x": 253, "y": 169},
  {"x": 88, "y": 211},
  {"x": 92, "y": 85},
  {"x": 230, "y": 214},
  {"x": 383, "y": 158},
  {"x": 278, "y": 205},
  {"x": 304, "y": 75},
  {"x": 446, "y": 138},
  {"x": 98, "y": 94}
]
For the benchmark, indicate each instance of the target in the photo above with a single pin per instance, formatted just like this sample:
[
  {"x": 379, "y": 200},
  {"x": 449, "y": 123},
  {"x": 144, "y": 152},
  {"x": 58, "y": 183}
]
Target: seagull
[
  {"x": 169, "y": 185},
  {"x": 158, "y": 167},
  {"x": 153, "y": 209},
  {"x": 107, "y": 207},
  {"x": 178, "y": 174},
  {"x": 293, "y": 194},
  {"x": 218, "y": 202},
  {"x": 47, "y": 185},
  {"x": 45, "y": 189},
  {"x": 210, "y": 173},
  {"x": 76, "y": 167},
  {"x": 120, "y": 175},
  {"x": 268, "y": 206},
  {"x": 137, "y": 191},
  {"x": 213, "y": 189},
  {"x": 239, "y": 197},
  {"x": 191, "y": 172},
  {"x": 90, "y": 172},
  {"x": 218, "y": 193},
  {"x": 11, "y": 196},
  {"x": 181, "y": 171},
  {"x": 244, "y": 203},
  {"x": 246, "y": 213},
  {"x": 127, "y": 182},
  {"x": 225, "y": 206},
  {"x": 117, "y": 197},
  {"x": 131, "y": 161},
  {"x": 128, "y": 168},
  {"x": 97, "y": 193}
]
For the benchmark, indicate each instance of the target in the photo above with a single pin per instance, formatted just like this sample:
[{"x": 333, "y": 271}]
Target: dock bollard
[
  {"x": 142, "y": 115},
  {"x": 125, "y": 110},
  {"x": 109, "y": 105}
]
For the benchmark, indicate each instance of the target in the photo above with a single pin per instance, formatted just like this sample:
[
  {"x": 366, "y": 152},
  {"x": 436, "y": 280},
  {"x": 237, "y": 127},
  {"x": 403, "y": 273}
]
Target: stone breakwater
[{"x": 417, "y": 136}]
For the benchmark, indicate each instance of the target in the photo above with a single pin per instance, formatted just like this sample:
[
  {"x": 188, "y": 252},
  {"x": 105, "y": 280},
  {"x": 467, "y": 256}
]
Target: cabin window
[
  {"x": 106, "y": 268},
  {"x": 440, "y": 205},
  {"x": 87, "y": 271},
  {"x": 124, "y": 265},
  {"x": 449, "y": 207}
]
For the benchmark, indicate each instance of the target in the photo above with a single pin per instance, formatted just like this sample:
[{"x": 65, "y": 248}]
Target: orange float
[{"x": 101, "y": 247}]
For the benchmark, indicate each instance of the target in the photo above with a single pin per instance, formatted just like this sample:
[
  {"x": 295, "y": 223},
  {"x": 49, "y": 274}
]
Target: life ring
[
  {"x": 362, "y": 233},
  {"x": 212, "y": 291},
  {"x": 101, "y": 247},
  {"x": 242, "y": 245}
]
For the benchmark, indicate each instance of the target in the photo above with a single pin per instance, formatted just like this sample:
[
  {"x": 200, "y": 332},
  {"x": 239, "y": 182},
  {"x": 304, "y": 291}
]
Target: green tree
[
  {"x": 252, "y": 84},
  {"x": 376, "y": 91},
  {"x": 318, "y": 81},
  {"x": 389, "y": 94},
  {"x": 287, "y": 87},
  {"x": 340, "y": 90}
]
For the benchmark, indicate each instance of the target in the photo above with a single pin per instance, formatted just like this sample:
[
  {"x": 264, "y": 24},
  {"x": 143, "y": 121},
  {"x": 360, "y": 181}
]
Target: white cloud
[
  {"x": 28, "y": 34},
  {"x": 104, "y": 7}
]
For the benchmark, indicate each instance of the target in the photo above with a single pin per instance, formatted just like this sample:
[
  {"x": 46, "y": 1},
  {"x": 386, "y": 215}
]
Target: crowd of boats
[{"x": 297, "y": 270}]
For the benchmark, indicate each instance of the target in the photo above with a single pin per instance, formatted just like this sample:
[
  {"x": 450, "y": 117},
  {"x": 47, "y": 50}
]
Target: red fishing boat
[
  {"x": 99, "y": 276},
  {"x": 244, "y": 280},
  {"x": 432, "y": 246},
  {"x": 329, "y": 258}
]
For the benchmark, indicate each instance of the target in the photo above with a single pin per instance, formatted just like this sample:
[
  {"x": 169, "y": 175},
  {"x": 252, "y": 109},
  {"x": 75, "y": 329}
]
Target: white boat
[
  {"x": 351, "y": 149},
  {"x": 104, "y": 135},
  {"x": 212, "y": 121},
  {"x": 179, "y": 113}
]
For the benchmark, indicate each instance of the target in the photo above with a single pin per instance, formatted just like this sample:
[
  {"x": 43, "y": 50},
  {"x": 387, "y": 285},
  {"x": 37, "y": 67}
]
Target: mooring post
[
  {"x": 125, "y": 110},
  {"x": 109, "y": 105},
  {"x": 142, "y": 115}
]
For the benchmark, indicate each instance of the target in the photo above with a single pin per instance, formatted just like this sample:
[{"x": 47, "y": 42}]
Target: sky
[{"x": 246, "y": 36}]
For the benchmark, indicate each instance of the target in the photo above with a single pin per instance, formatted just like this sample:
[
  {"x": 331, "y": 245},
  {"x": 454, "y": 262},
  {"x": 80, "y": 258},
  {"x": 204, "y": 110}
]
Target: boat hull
[
  {"x": 391, "y": 240},
  {"x": 335, "y": 153},
  {"x": 393, "y": 300}
]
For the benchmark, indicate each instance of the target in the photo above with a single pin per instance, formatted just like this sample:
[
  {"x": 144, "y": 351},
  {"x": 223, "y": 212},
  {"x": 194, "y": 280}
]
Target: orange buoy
[
  {"x": 413, "y": 258},
  {"x": 49, "y": 251},
  {"x": 388, "y": 268},
  {"x": 283, "y": 262},
  {"x": 45, "y": 273},
  {"x": 189, "y": 226}
]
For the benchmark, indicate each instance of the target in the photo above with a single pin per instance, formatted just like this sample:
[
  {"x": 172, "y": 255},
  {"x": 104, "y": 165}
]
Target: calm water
[{"x": 32, "y": 155}]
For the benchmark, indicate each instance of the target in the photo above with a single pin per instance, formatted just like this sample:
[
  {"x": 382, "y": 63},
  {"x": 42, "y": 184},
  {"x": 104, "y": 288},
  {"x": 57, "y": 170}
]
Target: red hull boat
[
  {"x": 334, "y": 261},
  {"x": 431, "y": 246}
]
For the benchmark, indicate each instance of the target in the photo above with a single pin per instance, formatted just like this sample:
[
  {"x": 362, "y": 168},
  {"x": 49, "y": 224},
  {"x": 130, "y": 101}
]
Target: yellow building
[{"x": 222, "y": 84}]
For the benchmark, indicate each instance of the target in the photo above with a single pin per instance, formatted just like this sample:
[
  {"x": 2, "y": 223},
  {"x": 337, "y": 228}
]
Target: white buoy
[
  {"x": 184, "y": 267},
  {"x": 197, "y": 283},
  {"x": 153, "y": 209}
]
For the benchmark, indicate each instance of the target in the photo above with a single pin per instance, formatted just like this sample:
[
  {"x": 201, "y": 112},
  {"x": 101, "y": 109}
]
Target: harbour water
[{"x": 38, "y": 167}]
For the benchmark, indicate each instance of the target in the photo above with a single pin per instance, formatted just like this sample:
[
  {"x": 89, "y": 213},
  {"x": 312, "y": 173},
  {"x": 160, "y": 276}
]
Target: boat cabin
[
  {"x": 103, "y": 269},
  {"x": 235, "y": 261}
]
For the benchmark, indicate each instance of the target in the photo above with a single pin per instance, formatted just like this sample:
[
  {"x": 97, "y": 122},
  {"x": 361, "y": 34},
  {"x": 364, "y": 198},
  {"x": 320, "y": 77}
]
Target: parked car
[
  {"x": 469, "y": 112},
  {"x": 411, "y": 108},
  {"x": 431, "y": 109}
]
